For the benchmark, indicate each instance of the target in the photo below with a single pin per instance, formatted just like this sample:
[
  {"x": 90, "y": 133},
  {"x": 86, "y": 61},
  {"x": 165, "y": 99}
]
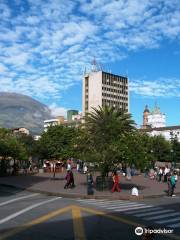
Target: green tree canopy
[
  {"x": 175, "y": 150},
  {"x": 58, "y": 142},
  {"x": 160, "y": 149},
  {"x": 10, "y": 149},
  {"x": 99, "y": 139}
]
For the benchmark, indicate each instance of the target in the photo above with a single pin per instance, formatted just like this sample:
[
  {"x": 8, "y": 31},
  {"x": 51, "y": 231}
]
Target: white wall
[
  {"x": 157, "y": 120},
  {"x": 166, "y": 134},
  {"x": 95, "y": 90}
]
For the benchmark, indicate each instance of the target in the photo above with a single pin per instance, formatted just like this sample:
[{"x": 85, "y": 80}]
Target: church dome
[{"x": 146, "y": 110}]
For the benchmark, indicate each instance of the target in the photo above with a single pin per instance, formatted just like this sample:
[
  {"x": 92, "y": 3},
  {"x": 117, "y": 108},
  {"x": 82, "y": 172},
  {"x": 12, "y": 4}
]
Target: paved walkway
[{"x": 44, "y": 183}]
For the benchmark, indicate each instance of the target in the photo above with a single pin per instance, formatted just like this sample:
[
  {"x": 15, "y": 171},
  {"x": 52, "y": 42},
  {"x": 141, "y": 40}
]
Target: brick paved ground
[{"x": 43, "y": 182}]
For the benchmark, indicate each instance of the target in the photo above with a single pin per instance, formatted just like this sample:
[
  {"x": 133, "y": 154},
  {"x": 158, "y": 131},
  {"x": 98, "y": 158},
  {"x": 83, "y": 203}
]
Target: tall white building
[
  {"x": 157, "y": 119},
  {"x": 101, "y": 88},
  {"x": 154, "y": 124},
  {"x": 154, "y": 119}
]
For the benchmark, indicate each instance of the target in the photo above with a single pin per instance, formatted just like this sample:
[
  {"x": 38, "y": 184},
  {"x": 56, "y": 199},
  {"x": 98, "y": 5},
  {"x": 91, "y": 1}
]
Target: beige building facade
[{"x": 101, "y": 88}]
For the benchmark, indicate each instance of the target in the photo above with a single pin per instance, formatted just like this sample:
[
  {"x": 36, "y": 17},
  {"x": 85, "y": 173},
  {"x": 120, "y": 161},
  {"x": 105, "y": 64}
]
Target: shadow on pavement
[
  {"x": 13, "y": 184},
  {"x": 6, "y": 191},
  {"x": 61, "y": 228}
]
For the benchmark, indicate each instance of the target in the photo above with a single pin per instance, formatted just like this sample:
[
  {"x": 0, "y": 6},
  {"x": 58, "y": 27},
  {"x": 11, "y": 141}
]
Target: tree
[
  {"x": 29, "y": 143},
  {"x": 175, "y": 150},
  {"x": 10, "y": 149},
  {"x": 135, "y": 149},
  {"x": 160, "y": 149},
  {"x": 57, "y": 142},
  {"x": 99, "y": 140}
]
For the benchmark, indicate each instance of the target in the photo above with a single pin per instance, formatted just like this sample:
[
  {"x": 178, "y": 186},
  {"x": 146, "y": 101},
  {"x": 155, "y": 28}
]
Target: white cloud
[
  {"x": 3, "y": 68},
  {"x": 5, "y": 11},
  {"x": 45, "y": 45},
  {"x": 16, "y": 60},
  {"x": 162, "y": 87},
  {"x": 57, "y": 111},
  {"x": 32, "y": 20}
]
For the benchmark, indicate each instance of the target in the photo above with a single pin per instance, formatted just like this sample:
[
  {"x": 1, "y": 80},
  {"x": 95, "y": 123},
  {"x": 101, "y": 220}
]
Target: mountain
[{"x": 18, "y": 110}]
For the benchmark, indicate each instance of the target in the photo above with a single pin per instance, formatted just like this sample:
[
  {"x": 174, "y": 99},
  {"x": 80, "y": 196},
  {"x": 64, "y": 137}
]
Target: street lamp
[
  {"x": 172, "y": 158},
  {"x": 152, "y": 161}
]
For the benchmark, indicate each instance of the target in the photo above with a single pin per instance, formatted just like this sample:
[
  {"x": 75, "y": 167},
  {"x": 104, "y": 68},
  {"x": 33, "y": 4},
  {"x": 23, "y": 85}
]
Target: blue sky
[{"x": 46, "y": 44}]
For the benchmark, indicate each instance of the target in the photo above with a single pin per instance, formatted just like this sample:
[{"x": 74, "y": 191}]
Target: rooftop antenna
[
  {"x": 155, "y": 100},
  {"x": 85, "y": 71},
  {"x": 100, "y": 67},
  {"x": 94, "y": 65}
]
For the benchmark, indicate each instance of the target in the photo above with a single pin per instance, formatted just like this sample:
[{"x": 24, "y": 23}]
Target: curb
[{"x": 83, "y": 196}]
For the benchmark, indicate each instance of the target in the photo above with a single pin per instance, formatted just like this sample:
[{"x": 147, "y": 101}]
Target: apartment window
[{"x": 86, "y": 81}]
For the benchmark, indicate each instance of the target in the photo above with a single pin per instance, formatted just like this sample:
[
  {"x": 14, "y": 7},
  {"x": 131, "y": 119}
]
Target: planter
[{"x": 103, "y": 183}]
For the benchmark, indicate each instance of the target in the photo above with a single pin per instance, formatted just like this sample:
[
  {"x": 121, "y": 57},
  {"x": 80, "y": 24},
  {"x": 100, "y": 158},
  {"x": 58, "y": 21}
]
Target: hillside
[{"x": 17, "y": 110}]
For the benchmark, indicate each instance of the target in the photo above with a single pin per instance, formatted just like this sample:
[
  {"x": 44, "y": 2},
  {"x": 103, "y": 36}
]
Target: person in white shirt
[
  {"x": 160, "y": 173},
  {"x": 68, "y": 167},
  {"x": 166, "y": 171},
  {"x": 85, "y": 169}
]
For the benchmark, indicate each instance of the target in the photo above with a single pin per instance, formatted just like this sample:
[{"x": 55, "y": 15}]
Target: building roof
[{"x": 177, "y": 127}]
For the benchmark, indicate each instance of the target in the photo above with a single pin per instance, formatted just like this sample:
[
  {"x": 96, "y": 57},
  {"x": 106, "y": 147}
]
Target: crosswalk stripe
[
  {"x": 174, "y": 225},
  {"x": 102, "y": 202},
  {"x": 164, "y": 216},
  {"x": 14, "y": 215},
  {"x": 153, "y": 213},
  {"x": 127, "y": 208},
  {"x": 144, "y": 210},
  {"x": 117, "y": 204},
  {"x": 139, "y": 208},
  {"x": 124, "y": 206},
  {"x": 169, "y": 220},
  {"x": 18, "y": 198}
]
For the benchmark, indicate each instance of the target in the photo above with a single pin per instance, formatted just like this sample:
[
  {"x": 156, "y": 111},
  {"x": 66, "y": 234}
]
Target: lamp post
[
  {"x": 152, "y": 161},
  {"x": 172, "y": 158}
]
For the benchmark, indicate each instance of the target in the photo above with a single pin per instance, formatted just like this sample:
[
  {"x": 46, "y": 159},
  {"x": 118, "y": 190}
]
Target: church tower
[{"x": 145, "y": 117}]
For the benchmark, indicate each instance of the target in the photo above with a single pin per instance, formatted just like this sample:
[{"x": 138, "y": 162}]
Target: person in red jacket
[{"x": 116, "y": 182}]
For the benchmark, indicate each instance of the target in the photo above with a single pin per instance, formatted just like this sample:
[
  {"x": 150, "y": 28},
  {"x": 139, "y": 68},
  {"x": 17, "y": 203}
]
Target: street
[{"x": 28, "y": 215}]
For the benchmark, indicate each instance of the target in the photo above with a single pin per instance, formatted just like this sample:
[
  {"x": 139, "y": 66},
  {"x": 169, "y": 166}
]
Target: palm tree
[{"x": 105, "y": 126}]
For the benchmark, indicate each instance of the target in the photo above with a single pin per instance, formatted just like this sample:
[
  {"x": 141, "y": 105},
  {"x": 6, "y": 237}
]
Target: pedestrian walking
[
  {"x": 128, "y": 173},
  {"x": 169, "y": 185},
  {"x": 166, "y": 171},
  {"x": 72, "y": 185},
  {"x": 85, "y": 169},
  {"x": 160, "y": 173},
  {"x": 78, "y": 166},
  {"x": 116, "y": 182},
  {"x": 68, "y": 166},
  {"x": 90, "y": 184},
  {"x": 68, "y": 179},
  {"x": 172, "y": 184}
]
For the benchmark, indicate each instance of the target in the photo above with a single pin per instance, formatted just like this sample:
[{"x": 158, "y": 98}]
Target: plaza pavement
[{"x": 44, "y": 183}]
